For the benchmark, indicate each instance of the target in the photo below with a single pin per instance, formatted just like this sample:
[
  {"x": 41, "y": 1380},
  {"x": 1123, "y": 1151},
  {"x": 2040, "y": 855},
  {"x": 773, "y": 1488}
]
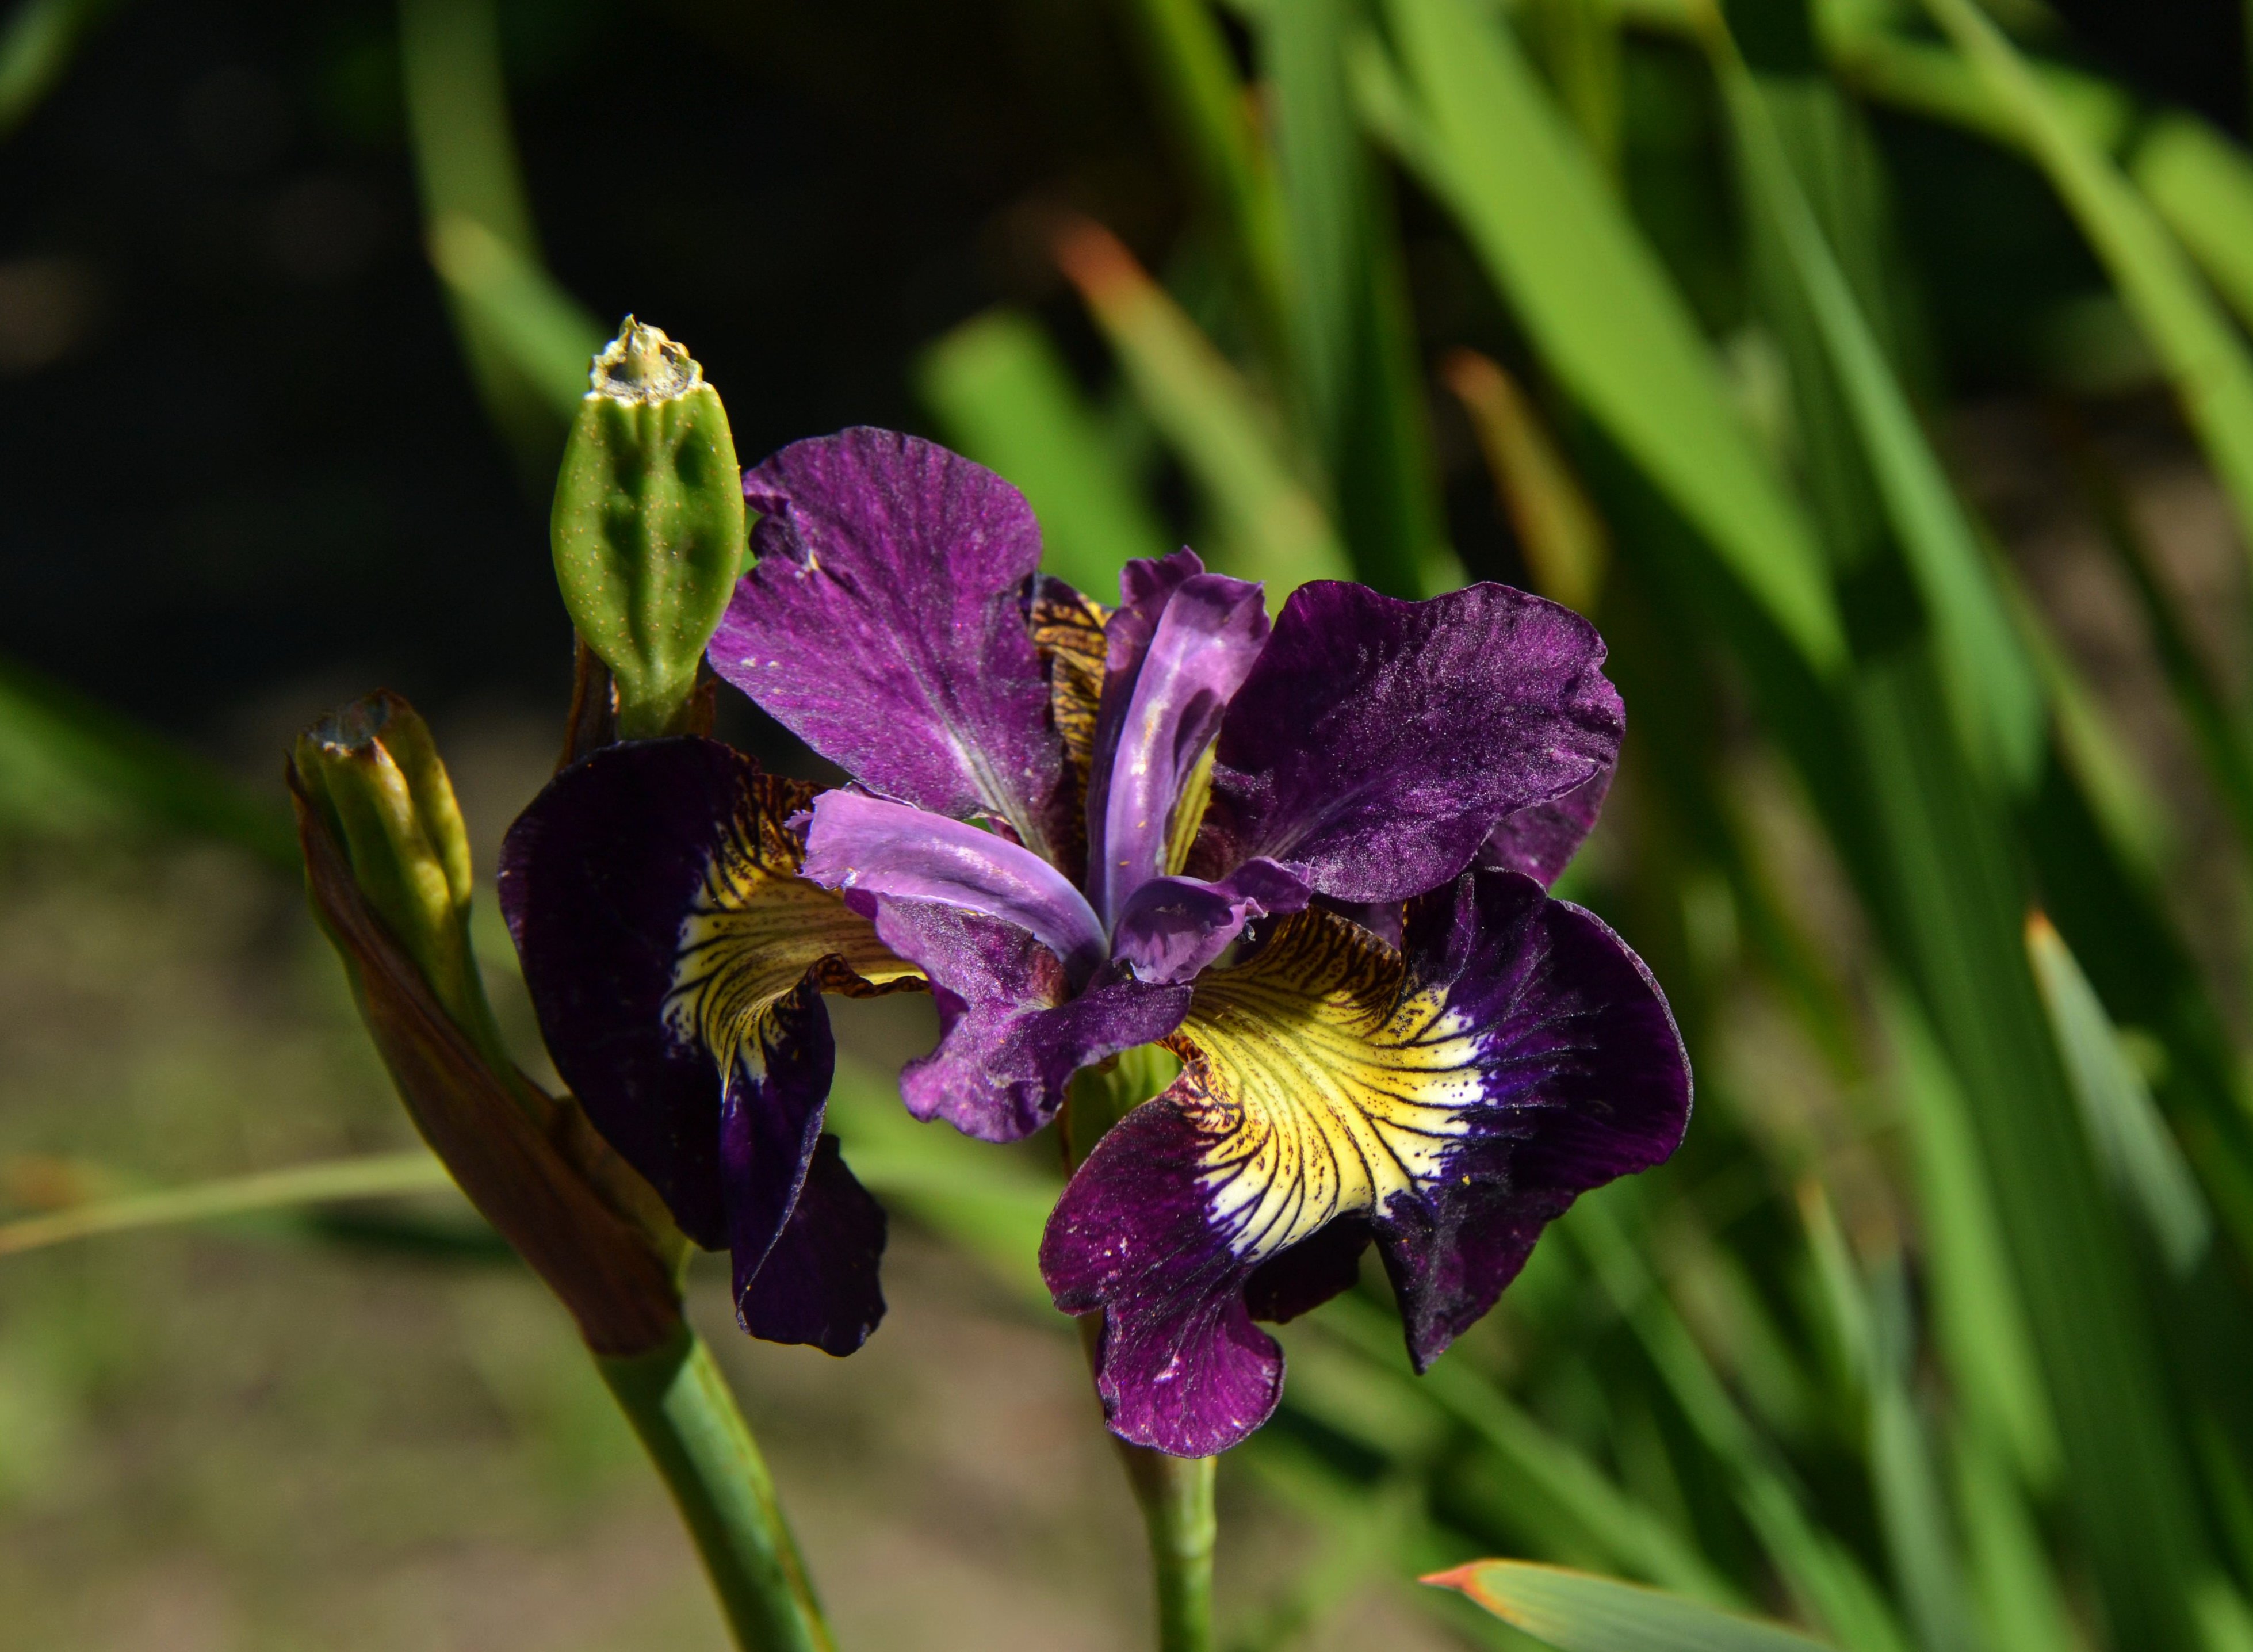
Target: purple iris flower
[{"x": 1311, "y": 858}]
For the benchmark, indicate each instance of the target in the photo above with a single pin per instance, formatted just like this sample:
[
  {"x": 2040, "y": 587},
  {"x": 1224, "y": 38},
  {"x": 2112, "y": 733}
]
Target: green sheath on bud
[
  {"x": 373, "y": 772},
  {"x": 648, "y": 528}
]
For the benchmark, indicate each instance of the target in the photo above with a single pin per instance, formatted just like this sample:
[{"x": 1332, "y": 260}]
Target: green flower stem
[
  {"x": 1176, "y": 1493},
  {"x": 680, "y": 1404},
  {"x": 1176, "y": 1497}
]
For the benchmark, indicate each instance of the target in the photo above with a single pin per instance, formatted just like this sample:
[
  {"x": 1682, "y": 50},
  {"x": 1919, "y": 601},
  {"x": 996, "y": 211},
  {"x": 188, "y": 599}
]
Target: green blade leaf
[
  {"x": 1004, "y": 395},
  {"x": 544, "y": 334},
  {"x": 2203, "y": 356},
  {"x": 2132, "y": 1141},
  {"x": 1475, "y": 125},
  {"x": 1578, "y": 1612},
  {"x": 380, "y": 1176},
  {"x": 1274, "y": 529},
  {"x": 1997, "y": 695},
  {"x": 36, "y": 46},
  {"x": 1352, "y": 338}
]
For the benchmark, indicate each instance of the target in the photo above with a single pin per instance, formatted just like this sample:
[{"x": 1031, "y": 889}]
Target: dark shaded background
[{"x": 240, "y": 448}]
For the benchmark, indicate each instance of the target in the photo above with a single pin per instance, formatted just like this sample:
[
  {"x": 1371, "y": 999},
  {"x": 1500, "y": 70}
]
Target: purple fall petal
[
  {"x": 1181, "y": 1367},
  {"x": 1584, "y": 1079},
  {"x": 1011, "y": 1033},
  {"x": 1451, "y": 1101},
  {"x": 596, "y": 878},
  {"x": 1541, "y": 841},
  {"x": 864, "y": 844},
  {"x": 1178, "y": 647},
  {"x": 883, "y": 624},
  {"x": 1172, "y": 928},
  {"x": 818, "y": 1284},
  {"x": 1378, "y": 742},
  {"x": 676, "y": 960}
]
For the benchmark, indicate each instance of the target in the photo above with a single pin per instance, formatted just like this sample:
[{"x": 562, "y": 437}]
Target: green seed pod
[
  {"x": 648, "y": 527},
  {"x": 373, "y": 773}
]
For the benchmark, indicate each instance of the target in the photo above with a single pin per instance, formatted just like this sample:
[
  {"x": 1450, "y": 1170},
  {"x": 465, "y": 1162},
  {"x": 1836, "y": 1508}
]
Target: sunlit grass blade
[
  {"x": 1209, "y": 116},
  {"x": 2021, "y": 1605},
  {"x": 544, "y": 333},
  {"x": 2133, "y": 1142},
  {"x": 2201, "y": 183},
  {"x": 465, "y": 164},
  {"x": 1358, "y": 380},
  {"x": 1004, "y": 395},
  {"x": 2203, "y": 356},
  {"x": 1997, "y": 695},
  {"x": 37, "y": 45},
  {"x": 1825, "y": 1580},
  {"x": 1912, "y": 1509},
  {"x": 1476, "y": 128},
  {"x": 1272, "y": 525},
  {"x": 1980, "y": 1323},
  {"x": 66, "y": 763},
  {"x": 374, "y": 1177},
  {"x": 1577, "y": 1612},
  {"x": 1564, "y": 541},
  {"x": 1599, "y": 1516}
]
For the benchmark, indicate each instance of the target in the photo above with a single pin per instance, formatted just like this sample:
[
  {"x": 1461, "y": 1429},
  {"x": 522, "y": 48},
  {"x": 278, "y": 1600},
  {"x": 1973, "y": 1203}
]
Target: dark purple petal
[
  {"x": 1011, "y": 1033},
  {"x": 1541, "y": 841},
  {"x": 1177, "y": 648},
  {"x": 1584, "y": 1078},
  {"x": 1378, "y": 742},
  {"x": 883, "y": 624},
  {"x": 1451, "y": 1099},
  {"x": 818, "y": 1284},
  {"x": 1181, "y": 1367},
  {"x": 859, "y": 843},
  {"x": 653, "y": 893},
  {"x": 1301, "y": 1278},
  {"x": 1173, "y": 927}
]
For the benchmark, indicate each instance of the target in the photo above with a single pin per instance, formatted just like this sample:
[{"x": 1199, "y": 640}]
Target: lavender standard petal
[
  {"x": 1011, "y": 1033},
  {"x": 1378, "y": 742},
  {"x": 1178, "y": 646},
  {"x": 1172, "y": 928},
  {"x": 865, "y": 844},
  {"x": 882, "y": 625}
]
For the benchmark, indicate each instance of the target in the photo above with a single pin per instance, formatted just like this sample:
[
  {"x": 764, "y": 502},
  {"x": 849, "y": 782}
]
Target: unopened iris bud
[
  {"x": 648, "y": 525},
  {"x": 373, "y": 773}
]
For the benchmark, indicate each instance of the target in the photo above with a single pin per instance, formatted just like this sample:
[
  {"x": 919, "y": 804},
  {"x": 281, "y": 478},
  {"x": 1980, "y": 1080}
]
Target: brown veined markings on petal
[
  {"x": 1067, "y": 629},
  {"x": 1327, "y": 1082},
  {"x": 757, "y": 927}
]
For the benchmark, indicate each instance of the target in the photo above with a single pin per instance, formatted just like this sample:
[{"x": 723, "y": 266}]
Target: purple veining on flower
[{"x": 1311, "y": 857}]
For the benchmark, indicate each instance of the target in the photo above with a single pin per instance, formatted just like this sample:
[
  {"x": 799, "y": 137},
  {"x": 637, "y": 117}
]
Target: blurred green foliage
[{"x": 1935, "y": 1334}]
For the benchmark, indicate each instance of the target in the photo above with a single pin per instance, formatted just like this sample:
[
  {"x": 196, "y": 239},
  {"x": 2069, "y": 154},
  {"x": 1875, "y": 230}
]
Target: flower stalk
[
  {"x": 388, "y": 866},
  {"x": 680, "y": 1405},
  {"x": 1175, "y": 1494}
]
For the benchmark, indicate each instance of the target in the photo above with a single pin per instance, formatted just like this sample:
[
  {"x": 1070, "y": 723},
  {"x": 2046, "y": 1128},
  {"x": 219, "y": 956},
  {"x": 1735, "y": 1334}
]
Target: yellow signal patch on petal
[
  {"x": 756, "y": 928},
  {"x": 1324, "y": 1086}
]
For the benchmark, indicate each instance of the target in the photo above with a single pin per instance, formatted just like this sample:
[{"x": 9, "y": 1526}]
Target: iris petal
[
  {"x": 865, "y": 844},
  {"x": 1013, "y": 1032},
  {"x": 1378, "y": 742},
  {"x": 1454, "y": 1098},
  {"x": 1178, "y": 647},
  {"x": 1173, "y": 927},
  {"x": 675, "y": 960},
  {"x": 883, "y": 624}
]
